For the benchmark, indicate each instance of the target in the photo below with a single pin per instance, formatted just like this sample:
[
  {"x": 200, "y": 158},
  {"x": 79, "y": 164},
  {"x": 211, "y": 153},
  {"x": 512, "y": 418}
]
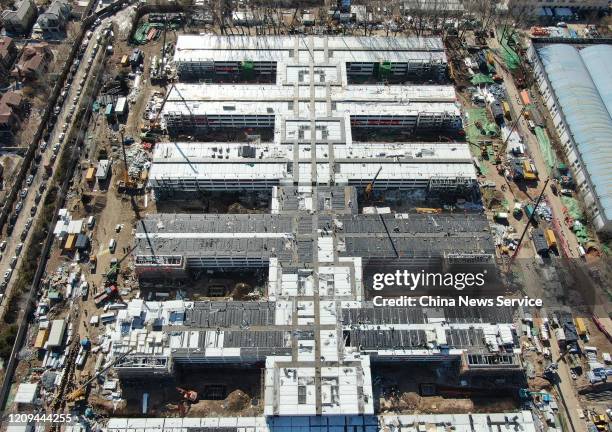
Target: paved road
[
  {"x": 531, "y": 142},
  {"x": 566, "y": 388},
  {"x": 14, "y": 239}
]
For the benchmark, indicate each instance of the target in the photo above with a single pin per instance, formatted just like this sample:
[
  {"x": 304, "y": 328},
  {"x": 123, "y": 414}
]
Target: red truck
[{"x": 107, "y": 293}]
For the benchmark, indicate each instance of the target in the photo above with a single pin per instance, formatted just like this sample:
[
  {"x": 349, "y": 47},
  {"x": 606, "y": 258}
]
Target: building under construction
[
  {"x": 318, "y": 331},
  {"x": 311, "y": 104}
]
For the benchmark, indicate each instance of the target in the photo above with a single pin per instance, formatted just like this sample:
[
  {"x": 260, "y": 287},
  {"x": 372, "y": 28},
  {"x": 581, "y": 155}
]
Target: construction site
[{"x": 212, "y": 265}]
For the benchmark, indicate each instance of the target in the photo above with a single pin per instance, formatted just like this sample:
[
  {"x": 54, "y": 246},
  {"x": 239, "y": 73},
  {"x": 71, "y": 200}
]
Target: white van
[
  {"x": 112, "y": 244},
  {"x": 91, "y": 221}
]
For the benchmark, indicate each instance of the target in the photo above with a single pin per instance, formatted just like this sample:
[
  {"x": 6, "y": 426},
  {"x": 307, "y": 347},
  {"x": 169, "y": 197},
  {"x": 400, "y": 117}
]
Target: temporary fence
[
  {"x": 507, "y": 53},
  {"x": 546, "y": 149}
]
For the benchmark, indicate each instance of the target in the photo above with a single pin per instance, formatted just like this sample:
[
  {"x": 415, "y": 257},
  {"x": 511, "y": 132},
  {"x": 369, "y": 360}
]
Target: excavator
[
  {"x": 189, "y": 397},
  {"x": 526, "y": 394},
  {"x": 110, "y": 277}
]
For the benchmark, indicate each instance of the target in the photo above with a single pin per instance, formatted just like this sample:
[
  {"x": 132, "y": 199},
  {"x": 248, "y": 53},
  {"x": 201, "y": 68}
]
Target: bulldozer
[{"x": 599, "y": 420}]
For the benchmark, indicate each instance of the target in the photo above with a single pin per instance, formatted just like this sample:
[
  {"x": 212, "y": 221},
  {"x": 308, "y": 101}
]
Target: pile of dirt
[
  {"x": 437, "y": 405},
  {"x": 409, "y": 401},
  {"x": 237, "y": 401},
  {"x": 538, "y": 384}
]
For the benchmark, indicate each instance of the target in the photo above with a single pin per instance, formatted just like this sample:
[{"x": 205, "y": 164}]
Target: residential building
[
  {"x": 52, "y": 22},
  {"x": 20, "y": 20},
  {"x": 8, "y": 54},
  {"x": 12, "y": 105},
  {"x": 33, "y": 62}
]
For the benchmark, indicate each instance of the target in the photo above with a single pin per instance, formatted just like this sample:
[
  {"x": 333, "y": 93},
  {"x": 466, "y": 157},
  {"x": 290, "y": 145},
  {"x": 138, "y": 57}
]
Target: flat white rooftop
[
  {"x": 357, "y": 162},
  {"x": 213, "y": 48},
  {"x": 264, "y": 99}
]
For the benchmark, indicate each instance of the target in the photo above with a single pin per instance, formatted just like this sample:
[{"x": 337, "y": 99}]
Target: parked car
[
  {"x": 7, "y": 274},
  {"x": 29, "y": 179},
  {"x": 18, "y": 207},
  {"x": 18, "y": 249},
  {"x": 3, "y": 245},
  {"x": 23, "y": 193},
  {"x": 33, "y": 210}
]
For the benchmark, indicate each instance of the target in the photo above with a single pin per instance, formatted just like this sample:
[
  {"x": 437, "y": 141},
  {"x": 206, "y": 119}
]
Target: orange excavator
[{"x": 189, "y": 397}]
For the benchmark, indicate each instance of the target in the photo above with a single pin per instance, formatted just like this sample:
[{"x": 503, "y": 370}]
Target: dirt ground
[
  {"x": 412, "y": 403},
  {"x": 221, "y": 391},
  {"x": 400, "y": 389}
]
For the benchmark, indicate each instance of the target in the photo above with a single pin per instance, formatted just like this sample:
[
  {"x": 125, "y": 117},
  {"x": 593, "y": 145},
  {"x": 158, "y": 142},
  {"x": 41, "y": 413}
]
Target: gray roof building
[
  {"x": 54, "y": 19},
  {"x": 20, "y": 20},
  {"x": 576, "y": 87}
]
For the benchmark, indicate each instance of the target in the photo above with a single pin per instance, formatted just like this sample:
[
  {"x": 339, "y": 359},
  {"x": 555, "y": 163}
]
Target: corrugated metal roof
[{"x": 581, "y": 82}]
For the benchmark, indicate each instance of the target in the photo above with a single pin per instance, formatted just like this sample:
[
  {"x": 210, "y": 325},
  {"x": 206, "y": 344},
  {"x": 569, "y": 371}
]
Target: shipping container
[
  {"x": 550, "y": 238},
  {"x": 121, "y": 106},
  {"x": 580, "y": 326},
  {"x": 124, "y": 60},
  {"x": 90, "y": 176},
  {"x": 41, "y": 338},
  {"x": 56, "y": 334},
  {"x": 525, "y": 97},
  {"x": 70, "y": 241}
]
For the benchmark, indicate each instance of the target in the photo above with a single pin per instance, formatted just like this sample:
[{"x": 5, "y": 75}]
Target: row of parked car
[{"x": 23, "y": 193}]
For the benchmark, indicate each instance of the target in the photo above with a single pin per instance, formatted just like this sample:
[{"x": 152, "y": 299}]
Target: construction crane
[
  {"x": 370, "y": 186},
  {"x": 502, "y": 148},
  {"x": 126, "y": 184},
  {"x": 111, "y": 275},
  {"x": 155, "y": 122},
  {"x": 529, "y": 221},
  {"x": 80, "y": 391}
]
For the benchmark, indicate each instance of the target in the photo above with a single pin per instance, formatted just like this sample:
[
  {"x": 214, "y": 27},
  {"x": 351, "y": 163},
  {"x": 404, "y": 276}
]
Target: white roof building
[{"x": 26, "y": 393}]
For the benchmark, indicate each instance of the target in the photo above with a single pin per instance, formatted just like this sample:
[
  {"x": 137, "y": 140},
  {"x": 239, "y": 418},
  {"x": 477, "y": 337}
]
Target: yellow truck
[
  {"x": 580, "y": 326},
  {"x": 506, "y": 108},
  {"x": 528, "y": 173},
  {"x": 550, "y": 238}
]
